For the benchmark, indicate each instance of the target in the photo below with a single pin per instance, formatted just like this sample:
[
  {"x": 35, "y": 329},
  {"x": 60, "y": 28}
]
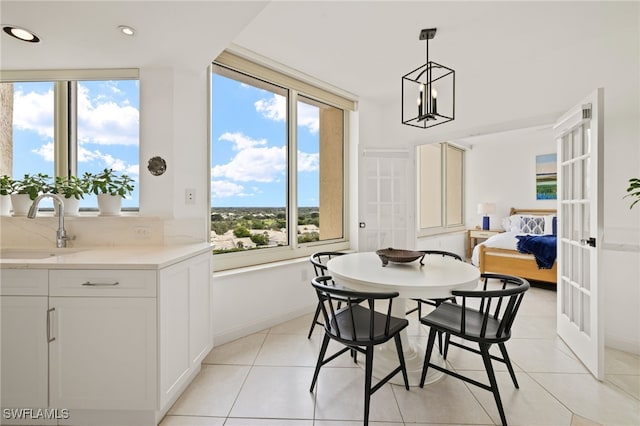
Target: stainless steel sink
[{"x": 34, "y": 253}]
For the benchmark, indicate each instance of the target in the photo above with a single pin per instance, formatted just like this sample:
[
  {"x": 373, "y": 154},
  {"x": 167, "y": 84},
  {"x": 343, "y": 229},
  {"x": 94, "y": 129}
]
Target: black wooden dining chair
[
  {"x": 487, "y": 325},
  {"x": 435, "y": 302},
  {"x": 358, "y": 326},
  {"x": 319, "y": 261}
]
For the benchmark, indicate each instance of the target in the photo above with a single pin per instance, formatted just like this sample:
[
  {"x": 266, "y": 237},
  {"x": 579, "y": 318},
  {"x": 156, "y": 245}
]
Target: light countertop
[{"x": 133, "y": 257}]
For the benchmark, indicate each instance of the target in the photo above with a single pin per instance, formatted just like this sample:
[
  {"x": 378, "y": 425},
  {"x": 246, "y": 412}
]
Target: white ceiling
[{"x": 514, "y": 61}]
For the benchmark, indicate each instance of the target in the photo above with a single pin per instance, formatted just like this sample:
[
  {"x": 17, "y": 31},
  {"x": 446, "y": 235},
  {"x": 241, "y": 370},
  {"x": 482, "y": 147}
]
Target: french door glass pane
[
  {"x": 577, "y": 142},
  {"x": 576, "y": 297},
  {"x": 586, "y": 268},
  {"x": 249, "y": 160},
  {"x": 577, "y": 180},
  {"x": 566, "y": 256},
  {"x": 566, "y": 147},
  {"x": 566, "y": 300},
  {"x": 586, "y": 177},
  {"x": 586, "y": 314},
  {"x": 566, "y": 189},
  {"x": 576, "y": 234}
]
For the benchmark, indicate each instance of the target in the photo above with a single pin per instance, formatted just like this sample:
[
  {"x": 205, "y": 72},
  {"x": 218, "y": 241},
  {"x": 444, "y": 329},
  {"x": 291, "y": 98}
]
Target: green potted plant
[
  {"x": 633, "y": 191},
  {"x": 6, "y": 188},
  {"x": 26, "y": 190},
  {"x": 110, "y": 188},
  {"x": 72, "y": 190}
]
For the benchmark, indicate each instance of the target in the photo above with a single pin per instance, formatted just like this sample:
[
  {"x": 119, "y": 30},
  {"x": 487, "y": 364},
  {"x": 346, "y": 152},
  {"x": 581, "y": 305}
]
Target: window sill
[
  {"x": 261, "y": 267},
  {"x": 441, "y": 232},
  {"x": 81, "y": 215}
]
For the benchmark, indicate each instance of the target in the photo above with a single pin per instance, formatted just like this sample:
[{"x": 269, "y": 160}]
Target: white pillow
[
  {"x": 515, "y": 223},
  {"x": 548, "y": 224}
]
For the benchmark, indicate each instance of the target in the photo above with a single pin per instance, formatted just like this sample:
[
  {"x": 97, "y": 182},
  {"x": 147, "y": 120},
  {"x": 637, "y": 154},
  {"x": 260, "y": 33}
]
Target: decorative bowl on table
[{"x": 398, "y": 256}]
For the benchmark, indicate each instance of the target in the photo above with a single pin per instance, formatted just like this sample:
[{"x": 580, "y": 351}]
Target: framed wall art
[{"x": 546, "y": 176}]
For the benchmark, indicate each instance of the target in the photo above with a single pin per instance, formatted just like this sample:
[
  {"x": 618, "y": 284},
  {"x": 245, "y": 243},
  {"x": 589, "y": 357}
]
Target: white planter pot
[
  {"x": 109, "y": 205},
  {"x": 71, "y": 206},
  {"x": 20, "y": 204},
  {"x": 5, "y": 205}
]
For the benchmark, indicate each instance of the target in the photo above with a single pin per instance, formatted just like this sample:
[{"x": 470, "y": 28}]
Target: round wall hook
[{"x": 157, "y": 165}]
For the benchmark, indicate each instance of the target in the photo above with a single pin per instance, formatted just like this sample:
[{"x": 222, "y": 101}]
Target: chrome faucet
[{"x": 61, "y": 234}]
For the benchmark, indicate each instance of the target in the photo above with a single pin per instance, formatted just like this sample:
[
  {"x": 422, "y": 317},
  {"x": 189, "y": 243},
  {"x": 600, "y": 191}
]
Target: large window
[
  {"x": 277, "y": 165},
  {"x": 63, "y": 123},
  {"x": 440, "y": 188}
]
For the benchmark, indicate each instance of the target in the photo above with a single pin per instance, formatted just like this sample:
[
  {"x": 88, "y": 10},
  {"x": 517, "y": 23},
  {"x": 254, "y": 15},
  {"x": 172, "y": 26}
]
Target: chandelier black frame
[{"x": 421, "y": 86}]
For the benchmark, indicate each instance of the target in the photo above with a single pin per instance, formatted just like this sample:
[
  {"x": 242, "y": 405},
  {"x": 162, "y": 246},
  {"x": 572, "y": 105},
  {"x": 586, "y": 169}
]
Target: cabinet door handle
[
  {"x": 49, "y": 338},
  {"x": 90, "y": 284}
]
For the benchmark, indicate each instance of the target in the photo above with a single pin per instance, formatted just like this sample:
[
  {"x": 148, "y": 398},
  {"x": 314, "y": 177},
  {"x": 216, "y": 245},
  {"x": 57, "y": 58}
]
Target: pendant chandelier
[{"x": 428, "y": 92}]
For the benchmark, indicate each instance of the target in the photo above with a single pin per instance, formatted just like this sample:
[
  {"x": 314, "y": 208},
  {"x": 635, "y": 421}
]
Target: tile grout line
[{"x": 251, "y": 367}]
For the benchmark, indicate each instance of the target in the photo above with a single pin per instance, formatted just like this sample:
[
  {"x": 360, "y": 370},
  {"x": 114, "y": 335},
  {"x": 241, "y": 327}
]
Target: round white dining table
[{"x": 432, "y": 278}]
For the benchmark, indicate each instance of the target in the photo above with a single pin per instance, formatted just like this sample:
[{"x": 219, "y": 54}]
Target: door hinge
[{"x": 586, "y": 111}]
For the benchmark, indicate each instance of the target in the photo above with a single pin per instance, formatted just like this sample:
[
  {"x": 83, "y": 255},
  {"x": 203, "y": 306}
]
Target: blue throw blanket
[{"x": 542, "y": 247}]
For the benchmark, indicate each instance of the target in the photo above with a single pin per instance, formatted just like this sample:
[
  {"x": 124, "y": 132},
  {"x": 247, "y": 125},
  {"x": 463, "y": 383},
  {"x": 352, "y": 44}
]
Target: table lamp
[{"x": 486, "y": 209}]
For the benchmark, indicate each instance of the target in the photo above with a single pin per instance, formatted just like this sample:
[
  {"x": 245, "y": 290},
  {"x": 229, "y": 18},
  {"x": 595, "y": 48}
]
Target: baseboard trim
[
  {"x": 267, "y": 321},
  {"x": 622, "y": 343}
]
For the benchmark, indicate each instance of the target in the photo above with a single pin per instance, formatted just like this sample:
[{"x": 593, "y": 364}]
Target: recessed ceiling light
[
  {"x": 126, "y": 30},
  {"x": 21, "y": 33}
]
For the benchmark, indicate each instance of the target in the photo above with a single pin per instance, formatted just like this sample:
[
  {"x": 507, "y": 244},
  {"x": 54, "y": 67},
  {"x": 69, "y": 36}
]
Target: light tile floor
[{"x": 263, "y": 380}]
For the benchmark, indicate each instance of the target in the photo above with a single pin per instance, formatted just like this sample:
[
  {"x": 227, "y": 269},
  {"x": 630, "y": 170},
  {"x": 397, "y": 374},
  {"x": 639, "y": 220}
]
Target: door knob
[{"x": 589, "y": 242}]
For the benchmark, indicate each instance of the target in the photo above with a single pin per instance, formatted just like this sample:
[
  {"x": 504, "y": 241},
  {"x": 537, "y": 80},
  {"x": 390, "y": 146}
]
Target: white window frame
[
  {"x": 297, "y": 85},
  {"x": 65, "y": 140}
]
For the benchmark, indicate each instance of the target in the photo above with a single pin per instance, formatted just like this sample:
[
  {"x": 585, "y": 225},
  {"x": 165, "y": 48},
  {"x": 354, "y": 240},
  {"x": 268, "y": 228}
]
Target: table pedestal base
[{"x": 385, "y": 357}]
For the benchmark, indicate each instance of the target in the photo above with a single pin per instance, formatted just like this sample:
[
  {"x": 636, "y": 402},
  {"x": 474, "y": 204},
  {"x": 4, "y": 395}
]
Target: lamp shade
[{"x": 486, "y": 208}]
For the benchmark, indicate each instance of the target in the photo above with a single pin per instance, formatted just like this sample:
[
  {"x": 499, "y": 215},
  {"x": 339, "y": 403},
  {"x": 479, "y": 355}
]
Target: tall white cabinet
[{"x": 103, "y": 346}]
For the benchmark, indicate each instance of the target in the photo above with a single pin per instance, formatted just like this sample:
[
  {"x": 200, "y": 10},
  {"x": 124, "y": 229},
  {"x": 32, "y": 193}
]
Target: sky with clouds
[
  {"x": 108, "y": 129},
  {"x": 249, "y": 142},
  {"x": 249, "y": 147}
]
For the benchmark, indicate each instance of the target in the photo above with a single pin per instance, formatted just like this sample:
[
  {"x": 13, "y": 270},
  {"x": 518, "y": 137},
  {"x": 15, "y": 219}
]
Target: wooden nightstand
[{"x": 475, "y": 234}]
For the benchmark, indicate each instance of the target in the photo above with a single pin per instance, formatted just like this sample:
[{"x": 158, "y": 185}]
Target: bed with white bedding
[{"x": 499, "y": 253}]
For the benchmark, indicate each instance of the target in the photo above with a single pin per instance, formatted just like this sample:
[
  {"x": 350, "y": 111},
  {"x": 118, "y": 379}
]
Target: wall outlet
[
  {"x": 142, "y": 232},
  {"x": 190, "y": 196}
]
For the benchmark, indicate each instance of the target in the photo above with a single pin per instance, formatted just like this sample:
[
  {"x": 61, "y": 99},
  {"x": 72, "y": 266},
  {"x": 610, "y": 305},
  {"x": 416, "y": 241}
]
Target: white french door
[
  {"x": 580, "y": 299},
  {"x": 385, "y": 208}
]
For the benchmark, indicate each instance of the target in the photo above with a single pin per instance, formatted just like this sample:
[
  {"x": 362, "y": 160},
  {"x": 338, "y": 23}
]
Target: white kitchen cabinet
[
  {"x": 102, "y": 353},
  {"x": 23, "y": 338},
  {"x": 111, "y": 346},
  {"x": 185, "y": 323}
]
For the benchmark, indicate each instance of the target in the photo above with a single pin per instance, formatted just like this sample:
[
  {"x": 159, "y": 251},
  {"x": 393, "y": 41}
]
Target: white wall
[
  {"x": 501, "y": 169},
  {"x": 257, "y": 298}
]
